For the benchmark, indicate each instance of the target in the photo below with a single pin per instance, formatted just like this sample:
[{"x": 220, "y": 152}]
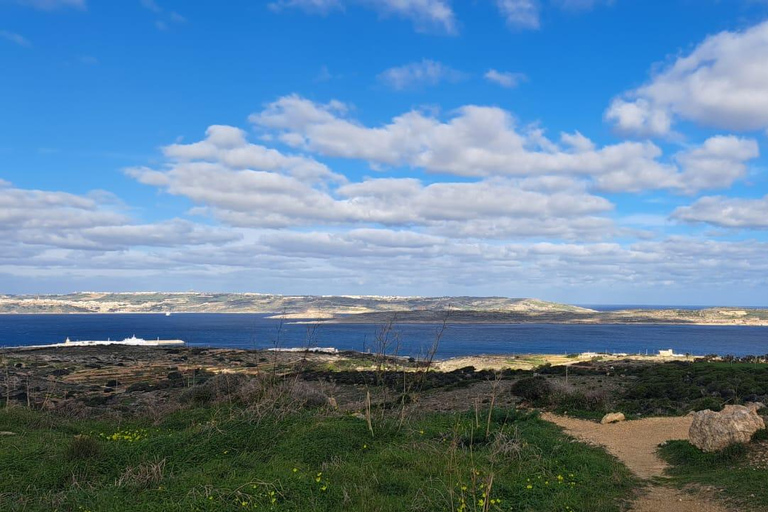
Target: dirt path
[{"x": 634, "y": 443}]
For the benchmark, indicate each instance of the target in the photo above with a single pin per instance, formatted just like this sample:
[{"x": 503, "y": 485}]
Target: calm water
[{"x": 256, "y": 331}]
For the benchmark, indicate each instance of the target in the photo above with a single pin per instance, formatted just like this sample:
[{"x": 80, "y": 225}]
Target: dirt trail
[{"x": 634, "y": 443}]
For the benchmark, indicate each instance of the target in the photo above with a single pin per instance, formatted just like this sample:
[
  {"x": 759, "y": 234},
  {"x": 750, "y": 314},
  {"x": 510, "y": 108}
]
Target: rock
[
  {"x": 612, "y": 417},
  {"x": 754, "y": 406},
  {"x": 712, "y": 431}
]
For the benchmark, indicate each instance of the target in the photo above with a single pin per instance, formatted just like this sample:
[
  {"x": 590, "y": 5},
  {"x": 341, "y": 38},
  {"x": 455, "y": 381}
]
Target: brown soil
[{"x": 634, "y": 443}]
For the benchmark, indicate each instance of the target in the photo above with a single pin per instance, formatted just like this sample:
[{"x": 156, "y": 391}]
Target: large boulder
[
  {"x": 612, "y": 417},
  {"x": 712, "y": 431}
]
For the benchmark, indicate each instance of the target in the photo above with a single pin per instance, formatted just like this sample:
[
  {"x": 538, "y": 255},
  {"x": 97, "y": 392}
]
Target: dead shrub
[
  {"x": 147, "y": 474},
  {"x": 308, "y": 396},
  {"x": 566, "y": 396},
  {"x": 217, "y": 388},
  {"x": 506, "y": 445}
]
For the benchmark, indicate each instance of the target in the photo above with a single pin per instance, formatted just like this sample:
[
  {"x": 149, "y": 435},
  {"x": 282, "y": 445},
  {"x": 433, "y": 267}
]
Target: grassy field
[
  {"x": 133, "y": 429},
  {"x": 236, "y": 458}
]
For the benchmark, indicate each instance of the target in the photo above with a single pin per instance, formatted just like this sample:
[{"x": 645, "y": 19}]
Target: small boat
[{"x": 168, "y": 313}]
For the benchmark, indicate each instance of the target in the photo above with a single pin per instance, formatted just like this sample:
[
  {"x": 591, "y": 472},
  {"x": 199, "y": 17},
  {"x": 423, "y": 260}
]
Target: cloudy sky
[{"x": 585, "y": 151}]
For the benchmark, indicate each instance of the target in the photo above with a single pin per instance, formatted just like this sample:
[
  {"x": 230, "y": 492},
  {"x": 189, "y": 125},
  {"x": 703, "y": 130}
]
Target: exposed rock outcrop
[
  {"x": 713, "y": 431},
  {"x": 612, "y": 417}
]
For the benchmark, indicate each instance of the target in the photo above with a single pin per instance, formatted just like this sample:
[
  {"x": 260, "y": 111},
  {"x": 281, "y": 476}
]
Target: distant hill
[
  {"x": 304, "y": 306},
  {"x": 369, "y": 308}
]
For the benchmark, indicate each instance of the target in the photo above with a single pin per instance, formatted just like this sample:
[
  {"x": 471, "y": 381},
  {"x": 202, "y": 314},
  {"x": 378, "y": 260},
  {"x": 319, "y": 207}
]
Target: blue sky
[{"x": 583, "y": 151}]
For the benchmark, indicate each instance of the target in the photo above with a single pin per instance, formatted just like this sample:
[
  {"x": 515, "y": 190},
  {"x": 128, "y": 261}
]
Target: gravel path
[{"x": 634, "y": 443}]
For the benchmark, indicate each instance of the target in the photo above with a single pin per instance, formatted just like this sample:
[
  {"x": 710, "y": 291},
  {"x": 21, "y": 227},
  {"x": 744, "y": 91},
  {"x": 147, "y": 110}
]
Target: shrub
[
  {"x": 533, "y": 389},
  {"x": 760, "y": 435},
  {"x": 308, "y": 396},
  {"x": 198, "y": 395},
  {"x": 142, "y": 476},
  {"x": 216, "y": 388},
  {"x": 83, "y": 448},
  {"x": 708, "y": 402}
]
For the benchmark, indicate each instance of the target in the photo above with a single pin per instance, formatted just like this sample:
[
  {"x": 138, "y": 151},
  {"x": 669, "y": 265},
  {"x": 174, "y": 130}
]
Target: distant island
[{"x": 371, "y": 309}]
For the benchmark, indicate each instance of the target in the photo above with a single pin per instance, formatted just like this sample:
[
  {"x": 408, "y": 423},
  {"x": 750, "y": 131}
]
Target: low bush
[
  {"x": 760, "y": 435},
  {"x": 83, "y": 447},
  {"x": 533, "y": 389}
]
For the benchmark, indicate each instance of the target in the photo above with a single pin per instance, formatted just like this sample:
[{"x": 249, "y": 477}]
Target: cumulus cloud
[
  {"x": 419, "y": 74},
  {"x": 248, "y": 186},
  {"x": 722, "y": 83},
  {"x": 61, "y": 220},
  {"x": 505, "y": 78},
  {"x": 227, "y": 144},
  {"x": 726, "y": 212},
  {"x": 426, "y": 15},
  {"x": 537, "y": 235},
  {"x": 716, "y": 164},
  {"x": 15, "y": 38},
  {"x": 487, "y": 141}
]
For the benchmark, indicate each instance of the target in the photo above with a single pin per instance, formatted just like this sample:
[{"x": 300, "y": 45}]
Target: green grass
[
  {"x": 727, "y": 470},
  {"x": 229, "y": 459}
]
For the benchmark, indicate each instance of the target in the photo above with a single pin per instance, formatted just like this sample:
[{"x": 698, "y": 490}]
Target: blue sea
[{"x": 257, "y": 331}]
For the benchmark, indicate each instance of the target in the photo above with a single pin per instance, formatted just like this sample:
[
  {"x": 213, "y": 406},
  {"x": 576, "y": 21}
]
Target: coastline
[{"x": 331, "y": 319}]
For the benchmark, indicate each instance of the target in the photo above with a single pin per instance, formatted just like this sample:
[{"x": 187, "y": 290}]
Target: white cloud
[
  {"x": 722, "y": 83},
  {"x": 419, "y": 74},
  {"x": 456, "y": 234},
  {"x": 227, "y": 145},
  {"x": 249, "y": 186},
  {"x": 505, "y": 78},
  {"x": 15, "y": 38},
  {"x": 639, "y": 117},
  {"x": 67, "y": 221},
  {"x": 523, "y": 14},
  {"x": 726, "y": 212},
  {"x": 49, "y": 5},
  {"x": 719, "y": 162},
  {"x": 427, "y": 15},
  {"x": 716, "y": 164},
  {"x": 486, "y": 141}
]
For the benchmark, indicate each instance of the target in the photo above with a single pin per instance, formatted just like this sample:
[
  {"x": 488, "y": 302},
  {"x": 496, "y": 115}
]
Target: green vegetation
[
  {"x": 669, "y": 389},
  {"x": 676, "y": 388},
  {"x": 263, "y": 457},
  {"x": 729, "y": 470}
]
